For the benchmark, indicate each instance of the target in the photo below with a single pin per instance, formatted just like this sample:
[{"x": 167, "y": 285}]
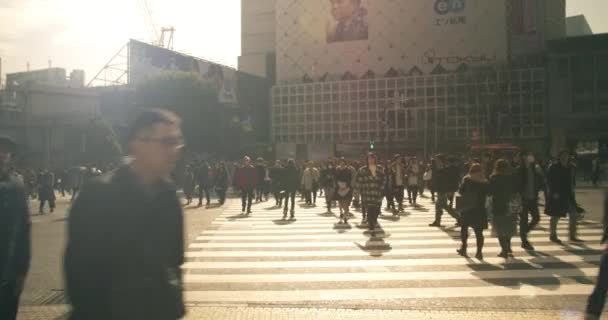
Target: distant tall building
[
  {"x": 578, "y": 26},
  {"x": 258, "y": 44},
  {"x": 55, "y": 77},
  {"x": 351, "y": 72}
]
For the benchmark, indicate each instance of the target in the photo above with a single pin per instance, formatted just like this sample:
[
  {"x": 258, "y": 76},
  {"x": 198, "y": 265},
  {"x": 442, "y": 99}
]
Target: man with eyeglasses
[{"x": 125, "y": 232}]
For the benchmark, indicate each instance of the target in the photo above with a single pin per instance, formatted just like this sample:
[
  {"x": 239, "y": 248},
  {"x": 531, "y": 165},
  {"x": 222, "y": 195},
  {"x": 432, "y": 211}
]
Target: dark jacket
[
  {"x": 245, "y": 177},
  {"x": 344, "y": 174},
  {"x": 560, "y": 191},
  {"x": 221, "y": 178},
  {"x": 202, "y": 176},
  {"x": 442, "y": 180},
  {"x": 473, "y": 211},
  {"x": 15, "y": 230},
  {"x": 124, "y": 250},
  {"x": 290, "y": 179},
  {"x": 501, "y": 188},
  {"x": 276, "y": 173},
  {"x": 261, "y": 172},
  {"x": 327, "y": 178},
  {"x": 522, "y": 181}
]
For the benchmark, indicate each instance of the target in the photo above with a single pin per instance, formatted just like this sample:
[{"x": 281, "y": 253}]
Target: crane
[{"x": 165, "y": 38}]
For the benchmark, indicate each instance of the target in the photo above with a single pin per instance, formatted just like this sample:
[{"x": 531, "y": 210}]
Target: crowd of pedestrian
[{"x": 125, "y": 228}]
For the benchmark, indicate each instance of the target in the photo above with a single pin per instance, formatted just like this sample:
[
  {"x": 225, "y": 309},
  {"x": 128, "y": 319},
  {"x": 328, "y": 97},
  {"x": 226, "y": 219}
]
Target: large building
[
  {"x": 258, "y": 40},
  {"x": 578, "y": 73},
  {"x": 48, "y": 114},
  {"x": 419, "y": 76}
]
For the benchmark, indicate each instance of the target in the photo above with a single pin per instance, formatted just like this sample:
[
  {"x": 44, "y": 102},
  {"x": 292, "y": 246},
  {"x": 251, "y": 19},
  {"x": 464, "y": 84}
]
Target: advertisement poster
[
  {"x": 146, "y": 61},
  {"x": 358, "y": 37}
]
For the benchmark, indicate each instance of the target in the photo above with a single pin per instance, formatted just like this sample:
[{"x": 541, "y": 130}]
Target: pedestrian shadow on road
[
  {"x": 238, "y": 217},
  {"x": 420, "y": 209},
  {"x": 213, "y": 206},
  {"x": 283, "y": 222},
  {"x": 539, "y": 278},
  {"x": 326, "y": 214},
  {"x": 375, "y": 246},
  {"x": 453, "y": 232},
  {"x": 391, "y": 218},
  {"x": 275, "y": 207},
  {"x": 342, "y": 227}
]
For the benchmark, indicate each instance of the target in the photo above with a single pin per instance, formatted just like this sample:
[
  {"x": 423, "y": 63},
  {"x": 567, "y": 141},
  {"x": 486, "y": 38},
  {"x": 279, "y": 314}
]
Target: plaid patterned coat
[{"x": 371, "y": 188}]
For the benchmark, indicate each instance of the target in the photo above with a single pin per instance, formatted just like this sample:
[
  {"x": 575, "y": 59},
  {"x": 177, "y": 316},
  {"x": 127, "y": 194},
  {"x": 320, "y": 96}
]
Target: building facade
[
  {"x": 258, "y": 38},
  {"x": 418, "y": 114},
  {"x": 421, "y": 76},
  {"x": 578, "y": 86}
]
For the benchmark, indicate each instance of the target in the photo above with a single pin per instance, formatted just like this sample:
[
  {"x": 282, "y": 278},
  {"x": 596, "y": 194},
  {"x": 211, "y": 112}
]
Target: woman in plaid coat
[{"x": 370, "y": 183}]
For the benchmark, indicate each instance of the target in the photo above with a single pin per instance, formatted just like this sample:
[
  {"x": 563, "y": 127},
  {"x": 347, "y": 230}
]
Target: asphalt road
[{"x": 265, "y": 261}]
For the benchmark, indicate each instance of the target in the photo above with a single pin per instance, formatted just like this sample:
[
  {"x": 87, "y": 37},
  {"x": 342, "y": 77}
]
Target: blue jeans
[{"x": 596, "y": 301}]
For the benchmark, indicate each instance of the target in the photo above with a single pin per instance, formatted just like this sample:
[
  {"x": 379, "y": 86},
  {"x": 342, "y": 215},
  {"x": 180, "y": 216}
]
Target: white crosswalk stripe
[{"x": 264, "y": 259}]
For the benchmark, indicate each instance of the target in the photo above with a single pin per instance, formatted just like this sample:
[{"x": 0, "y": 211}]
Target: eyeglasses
[{"x": 174, "y": 142}]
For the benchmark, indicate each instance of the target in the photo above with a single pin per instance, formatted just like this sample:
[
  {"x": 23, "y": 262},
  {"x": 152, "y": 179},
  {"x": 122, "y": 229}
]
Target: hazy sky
[{"x": 85, "y": 34}]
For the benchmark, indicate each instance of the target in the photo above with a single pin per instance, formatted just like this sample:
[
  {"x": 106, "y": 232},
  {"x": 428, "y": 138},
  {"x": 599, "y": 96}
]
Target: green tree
[
  {"x": 102, "y": 144},
  {"x": 194, "y": 100}
]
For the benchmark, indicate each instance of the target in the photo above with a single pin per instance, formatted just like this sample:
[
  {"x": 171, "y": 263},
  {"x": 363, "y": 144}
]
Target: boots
[
  {"x": 462, "y": 251},
  {"x": 479, "y": 255}
]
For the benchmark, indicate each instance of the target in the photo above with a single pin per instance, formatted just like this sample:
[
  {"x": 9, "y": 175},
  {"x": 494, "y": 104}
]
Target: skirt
[{"x": 504, "y": 225}]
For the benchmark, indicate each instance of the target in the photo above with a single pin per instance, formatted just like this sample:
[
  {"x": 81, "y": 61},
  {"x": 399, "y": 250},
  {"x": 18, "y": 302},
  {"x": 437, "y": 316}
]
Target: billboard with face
[
  {"x": 146, "y": 60},
  {"x": 330, "y": 38}
]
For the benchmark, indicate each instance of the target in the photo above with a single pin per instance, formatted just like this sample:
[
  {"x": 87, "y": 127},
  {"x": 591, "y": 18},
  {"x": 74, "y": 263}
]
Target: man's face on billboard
[{"x": 343, "y": 10}]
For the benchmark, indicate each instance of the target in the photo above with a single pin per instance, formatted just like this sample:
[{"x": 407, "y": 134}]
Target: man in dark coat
[
  {"x": 443, "y": 183},
  {"x": 15, "y": 237},
  {"x": 290, "y": 181},
  {"x": 560, "y": 197},
  {"x": 46, "y": 192},
  {"x": 221, "y": 182},
  {"x": 530, "y": 183},
  {"x": 204, "y": 182},
  {"x": 276, "y": 178},
  {"x": 125, "y": 232},
  {"x": 262, "y": 184}
]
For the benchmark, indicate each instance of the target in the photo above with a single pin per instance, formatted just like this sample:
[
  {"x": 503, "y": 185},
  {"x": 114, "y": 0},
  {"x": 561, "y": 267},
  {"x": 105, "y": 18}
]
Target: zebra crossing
[{"x": 313, "y": 259}]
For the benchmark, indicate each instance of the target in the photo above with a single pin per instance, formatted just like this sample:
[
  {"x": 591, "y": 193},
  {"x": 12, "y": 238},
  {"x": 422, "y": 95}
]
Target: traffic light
[{"x": 372, "y": 145}]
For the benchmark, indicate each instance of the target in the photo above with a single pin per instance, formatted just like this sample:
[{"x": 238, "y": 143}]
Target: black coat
[
  {"x": 202, "y": 176},
  {"x": 473, "y": 212},
  {"x": 124, "y": 250},
  {"x": 560, "y": 191},
  {"x": 502, "y": 188},
  {"x": 290, "y": 179},
  {"x": 344, "y": 175},
  {"x": 15, "y": 230},
  {"x": 221, "y": 179},
  {"x": 522, "y": 181},
  {"x": 442, "y": 180}
]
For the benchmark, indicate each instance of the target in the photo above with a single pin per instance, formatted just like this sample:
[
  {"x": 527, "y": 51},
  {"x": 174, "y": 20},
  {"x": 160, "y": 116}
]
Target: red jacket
[{"x": 246, "y": 177}]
